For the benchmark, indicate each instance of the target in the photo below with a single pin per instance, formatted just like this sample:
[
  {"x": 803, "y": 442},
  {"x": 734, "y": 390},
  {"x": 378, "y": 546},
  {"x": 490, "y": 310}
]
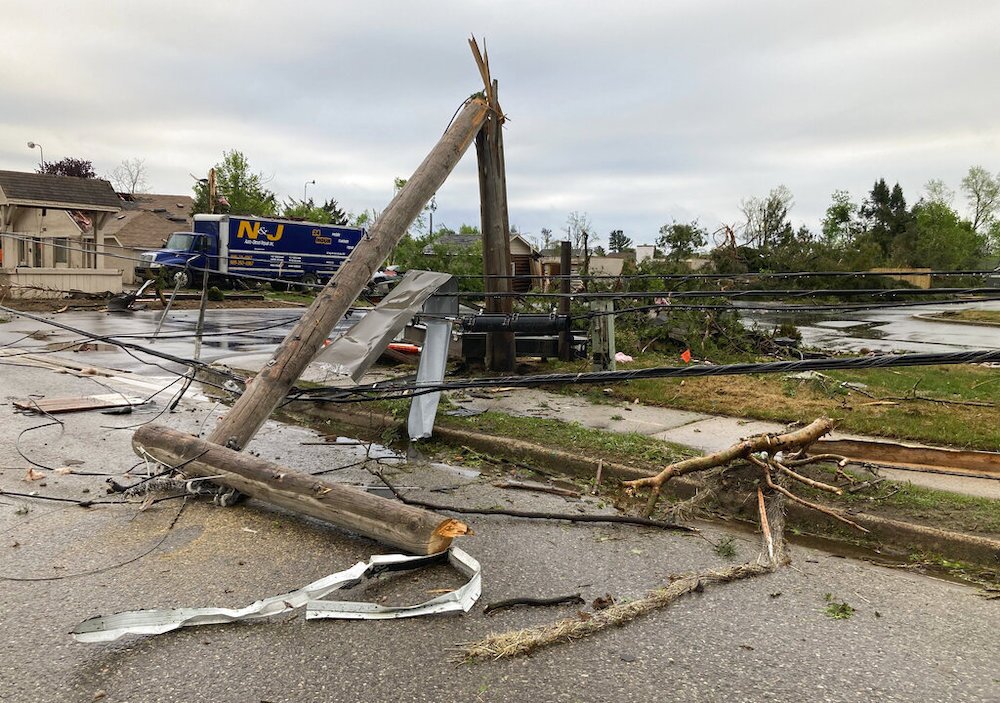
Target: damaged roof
[
  {"x": 57, "y": 192},
  {"x": 149, "y": 218}
]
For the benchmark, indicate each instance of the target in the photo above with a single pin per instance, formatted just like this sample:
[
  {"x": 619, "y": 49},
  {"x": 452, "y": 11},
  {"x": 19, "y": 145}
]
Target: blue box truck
[{"x": 233, "y": 245}]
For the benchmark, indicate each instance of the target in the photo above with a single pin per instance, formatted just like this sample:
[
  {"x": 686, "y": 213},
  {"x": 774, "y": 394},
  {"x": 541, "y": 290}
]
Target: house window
[{"x": 60, "y": 251}]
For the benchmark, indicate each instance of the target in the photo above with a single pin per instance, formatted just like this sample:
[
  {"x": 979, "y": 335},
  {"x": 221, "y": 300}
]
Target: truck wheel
[
  {"x": 182, "y": 278},
  {"x": 308, "y": 281}
]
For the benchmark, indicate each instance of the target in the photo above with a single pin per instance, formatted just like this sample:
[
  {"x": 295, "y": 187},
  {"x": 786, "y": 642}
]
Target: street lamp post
[
  {"x": 305, "y": 187},
  {"x": 41, "y": 154},
  {"x": 431, "y": 207}
]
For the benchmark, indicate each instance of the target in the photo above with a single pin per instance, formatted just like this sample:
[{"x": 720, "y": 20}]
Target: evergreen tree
[{"x": 618, "y": 242}]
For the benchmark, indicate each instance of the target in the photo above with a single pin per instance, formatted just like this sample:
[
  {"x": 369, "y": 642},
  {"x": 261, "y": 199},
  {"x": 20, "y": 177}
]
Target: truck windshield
[{"x": 181, "y": 241}]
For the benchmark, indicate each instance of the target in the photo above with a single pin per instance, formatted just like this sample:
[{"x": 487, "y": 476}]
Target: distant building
[
  {"x": 145, "y": 222},
  {"x": 644, "y": 252},
  {"x": 52, "y": 236},
  {"x": 523, "y": 256}
]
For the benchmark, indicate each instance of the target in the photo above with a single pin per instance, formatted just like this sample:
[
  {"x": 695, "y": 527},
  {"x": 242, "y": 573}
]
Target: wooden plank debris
[{"x": 72, "y": 404}]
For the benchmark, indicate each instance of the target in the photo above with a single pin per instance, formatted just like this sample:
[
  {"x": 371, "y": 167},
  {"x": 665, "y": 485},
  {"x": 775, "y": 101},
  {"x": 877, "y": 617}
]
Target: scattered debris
[
  {"x": 155, "y": 622},
  {"x": 54, "y": 406},
  {"x": 540, "y": 487}
]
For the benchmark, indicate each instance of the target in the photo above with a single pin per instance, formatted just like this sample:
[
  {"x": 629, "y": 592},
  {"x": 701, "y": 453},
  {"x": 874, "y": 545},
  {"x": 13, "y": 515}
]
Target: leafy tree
[
  {"x": 942, "y": 240},
  {"x": 79, "y": 168},
  {"x": 240, "y": 191},
  {"x": 839, "y": 223},
  {"x": 430, "y": 254},
  {"x": 130, "y": 176},
  {"x": 305, "y": 210},
  {"x": 681, "y": 240},
  {"x": 618, "y": 242},
  {"x": 982, "y": 190}
]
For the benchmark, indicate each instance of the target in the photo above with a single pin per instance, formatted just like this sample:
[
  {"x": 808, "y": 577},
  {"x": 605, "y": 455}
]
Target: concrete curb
[
  {"x": 975, "y": 323},
  {"x": 896, "y": 535}
]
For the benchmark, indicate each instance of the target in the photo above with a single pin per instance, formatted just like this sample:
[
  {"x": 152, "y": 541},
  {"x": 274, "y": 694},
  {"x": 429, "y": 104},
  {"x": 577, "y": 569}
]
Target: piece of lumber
[
  {"x": 274, "y": 381},
  {"x": 54, "y": 406},
  {"x": 412, "y": 529}
]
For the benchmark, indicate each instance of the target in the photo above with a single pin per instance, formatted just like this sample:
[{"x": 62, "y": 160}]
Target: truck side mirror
[{"x": 163, "y": 242}]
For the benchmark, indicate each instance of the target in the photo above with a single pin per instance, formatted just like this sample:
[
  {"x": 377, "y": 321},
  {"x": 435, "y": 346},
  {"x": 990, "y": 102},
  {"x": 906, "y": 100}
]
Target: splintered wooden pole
[
  {"x": 414, "y": 530},
  {"x": 500, "y": 346},
  {"x": 267, "y": 390}
]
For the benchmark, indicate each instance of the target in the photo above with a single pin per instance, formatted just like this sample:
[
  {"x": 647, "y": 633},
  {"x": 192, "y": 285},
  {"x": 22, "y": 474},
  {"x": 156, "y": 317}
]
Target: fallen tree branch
[
  {"x": 520, "y": 642},
  {"x": 770, "y": 443}
]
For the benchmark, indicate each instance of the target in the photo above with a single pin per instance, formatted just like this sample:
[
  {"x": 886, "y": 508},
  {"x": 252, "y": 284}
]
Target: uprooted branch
[
  {"x": 519, "y": 642},
  {"x": 768, "y": 446}
]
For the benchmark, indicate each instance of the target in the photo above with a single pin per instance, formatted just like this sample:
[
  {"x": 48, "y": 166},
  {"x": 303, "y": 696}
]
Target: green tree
[
  {"x": 240, "y": 191},
  {"x": 333, "y": 210},
  {"x": 78, "y": 168},
  {"x": 618, "y": 242},
  {"x": 681, "y": 240},
  {"x": 886, "y": 221},
  {"x": 840, "y": 221},
  {"x": 942, "y": 240},
  {"x": 305, "y": 210}
]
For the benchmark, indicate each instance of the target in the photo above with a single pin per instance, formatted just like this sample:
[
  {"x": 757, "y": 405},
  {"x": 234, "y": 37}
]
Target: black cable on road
[{"x": 123, "y": 345}]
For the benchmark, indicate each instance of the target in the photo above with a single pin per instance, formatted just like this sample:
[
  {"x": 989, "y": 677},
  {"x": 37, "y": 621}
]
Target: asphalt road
[
  {"x": 893, "y": 329},
  {"x": 911, "y": 638}
]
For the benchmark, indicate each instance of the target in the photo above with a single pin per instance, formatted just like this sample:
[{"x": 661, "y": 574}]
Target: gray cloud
[{"x": 635, "y": 112}]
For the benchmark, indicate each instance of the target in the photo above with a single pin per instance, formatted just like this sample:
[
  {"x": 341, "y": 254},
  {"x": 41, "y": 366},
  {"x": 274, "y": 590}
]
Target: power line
[{"x": 389, "y": 390}]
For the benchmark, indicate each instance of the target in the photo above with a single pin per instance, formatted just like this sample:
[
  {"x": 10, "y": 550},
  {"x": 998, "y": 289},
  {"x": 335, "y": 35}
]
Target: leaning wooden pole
[
  {"x": 412, "y": 529},
  {"x": 269, "y": 387}
]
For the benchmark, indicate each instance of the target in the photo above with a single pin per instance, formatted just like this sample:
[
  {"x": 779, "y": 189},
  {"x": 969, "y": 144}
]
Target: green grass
[
  {"x": 895, "y": 403},
  {"x": 290, "y": 296},
  {"x": 574, "y": 437},
  {"x": 986, "y": 317}
]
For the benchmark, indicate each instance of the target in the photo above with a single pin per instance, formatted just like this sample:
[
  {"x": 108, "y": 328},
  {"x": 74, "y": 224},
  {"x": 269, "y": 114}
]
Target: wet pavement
[
  {"x": 891, "y": 329},
  {"x": 911, "y": 638}
]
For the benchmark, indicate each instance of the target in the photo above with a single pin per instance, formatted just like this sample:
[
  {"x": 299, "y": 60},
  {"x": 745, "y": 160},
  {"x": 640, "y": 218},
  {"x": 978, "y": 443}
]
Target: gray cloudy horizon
[{"x": 637, "y": 113}]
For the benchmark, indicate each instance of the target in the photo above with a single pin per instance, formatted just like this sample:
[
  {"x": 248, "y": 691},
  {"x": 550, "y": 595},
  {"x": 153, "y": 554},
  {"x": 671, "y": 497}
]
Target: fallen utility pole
[
  {"x": 279, "y": 374},
  {"x": 269, "y": 387},
  {"x": 414, "y": 529}
]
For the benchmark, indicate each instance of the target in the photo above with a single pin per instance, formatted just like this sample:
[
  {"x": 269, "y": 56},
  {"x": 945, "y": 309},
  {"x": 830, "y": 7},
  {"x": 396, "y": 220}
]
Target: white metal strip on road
[{"x": 154, "y": 622}]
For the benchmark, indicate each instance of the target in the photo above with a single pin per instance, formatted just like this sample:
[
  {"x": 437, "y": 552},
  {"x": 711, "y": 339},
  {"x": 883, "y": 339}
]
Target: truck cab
[{"x": 182, "y": 255}]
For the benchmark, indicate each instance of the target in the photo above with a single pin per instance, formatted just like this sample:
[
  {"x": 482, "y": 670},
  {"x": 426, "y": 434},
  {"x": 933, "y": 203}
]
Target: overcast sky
[{"x": 637, "y": 113}]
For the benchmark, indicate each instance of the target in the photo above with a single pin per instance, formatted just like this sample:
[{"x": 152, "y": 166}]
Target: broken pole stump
[
  {"x": 565, "y": 267},
  {"x": 414, "y": 530},
  {"x": 269, "y": 387},
  {"x": 500, "y": 346}
]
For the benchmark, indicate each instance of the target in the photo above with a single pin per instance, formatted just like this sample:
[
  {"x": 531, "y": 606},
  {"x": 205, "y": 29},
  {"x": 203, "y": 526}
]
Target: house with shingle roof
[
  {"x": 144, "y": 223},
  {"x": 45, "y": 251},
  {"x": 59, "y": 233}
]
